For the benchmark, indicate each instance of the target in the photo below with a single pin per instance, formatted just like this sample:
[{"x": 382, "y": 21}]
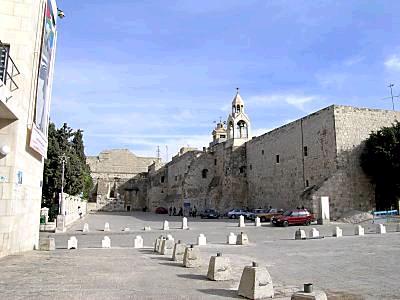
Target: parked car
[
  {"x": 161, "y": 210},
  {"x": 236, "y": 213},
  {"x": 294, "y": 216},
  {"x": 265, "y": 215},
  {"x": 210, "y": 214}
]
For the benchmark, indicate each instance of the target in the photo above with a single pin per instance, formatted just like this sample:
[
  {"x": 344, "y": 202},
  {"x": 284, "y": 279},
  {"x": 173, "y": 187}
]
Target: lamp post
[{"x": 61, "y": 209}]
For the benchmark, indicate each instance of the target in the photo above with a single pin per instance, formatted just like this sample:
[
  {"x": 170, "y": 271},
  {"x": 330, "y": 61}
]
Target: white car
[{"x": 236, "y": 213}]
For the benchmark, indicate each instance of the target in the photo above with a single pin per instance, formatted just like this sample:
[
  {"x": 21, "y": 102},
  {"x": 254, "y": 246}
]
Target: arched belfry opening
[{"x": 238, "y": 122}]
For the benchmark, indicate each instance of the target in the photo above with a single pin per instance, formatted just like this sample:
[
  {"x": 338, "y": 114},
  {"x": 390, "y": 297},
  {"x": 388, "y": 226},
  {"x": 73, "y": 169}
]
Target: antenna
[
  {"x": 158, "y": 152},
  {"x": 391, "y": 93}
]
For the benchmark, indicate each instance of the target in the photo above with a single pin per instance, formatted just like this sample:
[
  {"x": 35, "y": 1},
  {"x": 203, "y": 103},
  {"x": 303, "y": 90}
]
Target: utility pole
[
  {"x": 166, "y": 153},
  {"x": 158, "y": 152},
  {"x": 391, "y": 93},
  {"x": 63, "y": 159}
]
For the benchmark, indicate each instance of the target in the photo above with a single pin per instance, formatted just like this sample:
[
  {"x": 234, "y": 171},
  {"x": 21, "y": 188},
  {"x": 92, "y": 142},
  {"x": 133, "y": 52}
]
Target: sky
[{"x": 137, "y": 74}]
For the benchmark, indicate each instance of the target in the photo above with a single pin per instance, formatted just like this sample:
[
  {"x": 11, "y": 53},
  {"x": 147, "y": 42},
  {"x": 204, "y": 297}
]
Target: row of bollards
[
  {"x": 255, "y": 282},
  {"x": 300, "y": 234}
]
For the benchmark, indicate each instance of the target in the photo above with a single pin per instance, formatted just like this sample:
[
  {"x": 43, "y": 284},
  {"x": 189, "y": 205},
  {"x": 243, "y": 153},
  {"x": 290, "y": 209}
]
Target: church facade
[{"x": 293, "y": 165}]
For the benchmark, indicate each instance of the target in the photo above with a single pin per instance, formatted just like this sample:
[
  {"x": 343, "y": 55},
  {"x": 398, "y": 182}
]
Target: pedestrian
[
  {"x": 174, "y": 211},
  {"x": 170, "y": 210},
  {"x": 180, "y": 212},
  {"x": 195, "y": 212},
  {"x": 80, "y": 212},
  {"x": 190, "y": 212}
]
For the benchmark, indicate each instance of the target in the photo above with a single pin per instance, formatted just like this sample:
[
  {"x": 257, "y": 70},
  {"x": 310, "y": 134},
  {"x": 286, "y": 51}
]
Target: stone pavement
[{"x": 351, "y": 267}]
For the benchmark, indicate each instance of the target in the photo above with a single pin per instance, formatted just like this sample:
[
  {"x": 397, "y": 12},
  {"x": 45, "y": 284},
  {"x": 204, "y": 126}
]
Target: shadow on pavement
[
  {"x": 221, "y": 292},
  {"x": 193, "y": 276}
]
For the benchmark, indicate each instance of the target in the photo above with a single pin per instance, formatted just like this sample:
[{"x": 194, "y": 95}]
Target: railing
[{"x": 8, "y": 69}]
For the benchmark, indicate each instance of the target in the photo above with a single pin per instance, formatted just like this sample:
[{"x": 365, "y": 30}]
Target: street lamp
[{"x": 63, "y": 159}]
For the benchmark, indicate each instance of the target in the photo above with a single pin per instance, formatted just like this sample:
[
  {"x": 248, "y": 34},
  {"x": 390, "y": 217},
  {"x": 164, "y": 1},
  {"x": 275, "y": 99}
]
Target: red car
[
  {"x": 161, "y": 210},
  {"x": 295, "y": 216}
]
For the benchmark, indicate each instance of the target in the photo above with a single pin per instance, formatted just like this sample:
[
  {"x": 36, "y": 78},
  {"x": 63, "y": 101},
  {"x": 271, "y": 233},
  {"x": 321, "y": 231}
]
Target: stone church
[{"x": 293, "y": 165}]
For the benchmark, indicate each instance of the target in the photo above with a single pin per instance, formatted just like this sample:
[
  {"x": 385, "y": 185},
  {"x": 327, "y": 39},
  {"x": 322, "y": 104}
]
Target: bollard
[
  {"x": 179, "y": 251},
  {"x": 165, "y": 225},
  {"x": 191, "y": 258},
  {"x": 86, "y": 227},
  {"x": 241, "y": 222},
  {"x": 201, "y": 240},
  {"x": 242, "y": 239},
  {"x": 72, "y": 243},
  {"x": 308, "y": 293},
  {"x": 337, "y": 232},
  {"x": 359, "y": 230},
  {"x": 167, "y": 247},
  {"x": 256, "y": 283},
  {"x": 381, "y": 229},
  {"x": 257, "y": 222},
  {"x": 127, "y": 229},
  {"x": 138, "y": 242},
  {"x": 314, "y": 233},
  {"x": 231, "y": 239},
  {"x": 300, "y": 234},
  {"x": 185, "y": 223},
  {"x": 159, "y": 248},
  {"x": 106, "y": 242},
  {"x": 47, "y": 244},
  {"x": 147, "y": 228},
  {"x": 219, "y": 268},
  {"x": 106, "y": 227}
]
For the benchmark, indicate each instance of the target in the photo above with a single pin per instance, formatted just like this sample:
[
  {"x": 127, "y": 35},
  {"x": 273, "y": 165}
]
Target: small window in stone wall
[
  {"x": 162, "y": 179},
  {"x": 251, "y": 167},
  {"x": 176, "y": 178},
  {"x": 262, "y": 152},
  {"x": 204, "y": 173},
  {"x": 242, "y": 169},
  {"x": 307, "y": 183},
  {"x": 215, "y": 162},
  {"x": 277, "y": 159},
  {"x": 305, "y": 151}
]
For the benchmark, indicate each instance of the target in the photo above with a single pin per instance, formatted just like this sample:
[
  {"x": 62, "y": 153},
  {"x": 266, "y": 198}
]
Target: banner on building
[{"x": 38, "y": 139}]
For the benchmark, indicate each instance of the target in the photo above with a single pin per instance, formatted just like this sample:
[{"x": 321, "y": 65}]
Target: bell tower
[{"x": 238, "y": 122}]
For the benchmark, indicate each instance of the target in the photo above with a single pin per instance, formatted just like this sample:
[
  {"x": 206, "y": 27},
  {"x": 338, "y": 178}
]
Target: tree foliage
[
  {"x": 77, "y": 179},
  {"x": 380, "y": 160}
]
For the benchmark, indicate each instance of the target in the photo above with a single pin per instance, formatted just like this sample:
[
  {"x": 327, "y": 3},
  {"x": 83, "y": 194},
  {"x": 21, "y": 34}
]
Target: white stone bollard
[
  {"x": 219, "y": 268},
  {"x": 159, "y": 248},
  {"x": 167, "y": 247},
  {"x": 300, "y": 234},
  {"x": 179, "y": 251},
  {"x": 185, "y": 223},
  {"x": 315, "y": 295},
  {"x": 147, "y": 228},
  {"x": 381, "y": 229},
  {"x": 47, "y": 244},
  {"x": 398, "y": 227},
  {"x": 359, "y": 230},
  {"x": 127, "y": 229},
  {"x": 232, "y": 238},
  {"x": 242, "y": 239},
  {"x": 86, "y": 227},
  {"x": 256, "y": 283},
  {"x": 138, "y": 242},
  {"x": 157, "y": 243},
  {"x": 202, "y": 240},
  {"x": 106, "y": 242},
  {"x": 257, "y": 222},
  {"x": 337, "y": 232},
  {"x": 165, "y": 225},
  {"x": 314, "y": 233},
  {"x": 72, "y": 243},
  {"x": 241, "y": 222},
  {"x": 106, "y": 227},
  {"x": 191, "y": 258}
]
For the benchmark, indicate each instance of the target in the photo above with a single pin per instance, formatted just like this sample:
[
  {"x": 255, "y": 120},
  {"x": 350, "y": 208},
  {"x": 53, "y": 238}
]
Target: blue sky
[{"x": 137, "y": 74}]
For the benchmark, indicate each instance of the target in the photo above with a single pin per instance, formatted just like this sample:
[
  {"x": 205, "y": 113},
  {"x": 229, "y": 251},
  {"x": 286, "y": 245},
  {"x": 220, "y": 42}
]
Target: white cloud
[
  {"x": 332, "y": 80},
  {"x": 393, "y": 63},
  {"x": 296, "y": 100}
]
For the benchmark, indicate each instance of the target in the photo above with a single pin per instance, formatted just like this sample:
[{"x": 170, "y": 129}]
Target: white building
[{"x": 27, "y": 52}]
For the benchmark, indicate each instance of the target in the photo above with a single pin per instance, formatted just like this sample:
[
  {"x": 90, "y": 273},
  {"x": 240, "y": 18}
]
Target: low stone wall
[{"x": 69, "y": 208}]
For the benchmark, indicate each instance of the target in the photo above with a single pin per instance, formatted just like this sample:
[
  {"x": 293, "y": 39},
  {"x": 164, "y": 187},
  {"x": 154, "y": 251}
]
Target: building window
[
  {"x": 251, "y": 167},
  {"x": 223, "y": 136},
  {"x": 305, "y": 151},
  {"x": 277, "y": 159},
  {"x": 307, "y": 183},
  {"x": 242, "y": 169},
  {"x": 4, "y": 49},
  {"x": 162, "y": 179},
  {"x": 176, "y": 178},
  {"x": 204, "y": 173},
  {"x": 215, "y": 162},
  {"x": 262, "y": 152}
]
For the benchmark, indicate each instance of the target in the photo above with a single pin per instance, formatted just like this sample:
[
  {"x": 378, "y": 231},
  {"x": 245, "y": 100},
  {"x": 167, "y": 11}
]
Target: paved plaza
[{"x": 351, "y": 267}]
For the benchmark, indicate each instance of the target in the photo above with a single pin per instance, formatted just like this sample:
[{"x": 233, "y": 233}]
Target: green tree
[
  {"x": 380, "y": 160},
  {"x": 77, "y": 179}
]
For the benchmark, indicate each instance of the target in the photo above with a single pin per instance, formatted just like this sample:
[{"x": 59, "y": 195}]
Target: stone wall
[{"x": 70, "y": 207}]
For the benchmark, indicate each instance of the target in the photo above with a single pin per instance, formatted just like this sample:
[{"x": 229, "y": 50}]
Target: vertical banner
[{"x": 43, "y": 94}]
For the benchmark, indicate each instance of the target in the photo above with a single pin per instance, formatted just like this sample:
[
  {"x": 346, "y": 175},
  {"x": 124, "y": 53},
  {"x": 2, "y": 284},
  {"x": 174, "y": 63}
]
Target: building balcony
[{"x": 8, "y": 85}]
